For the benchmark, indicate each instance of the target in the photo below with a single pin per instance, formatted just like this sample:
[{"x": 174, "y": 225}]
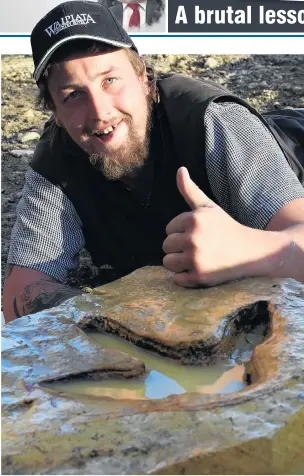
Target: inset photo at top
[
  {"x": 139, "y": 15},
  {"x": 136, "y": 16}
]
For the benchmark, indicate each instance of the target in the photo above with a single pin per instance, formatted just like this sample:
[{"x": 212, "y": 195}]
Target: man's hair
[{"x": 139, "y": 65}]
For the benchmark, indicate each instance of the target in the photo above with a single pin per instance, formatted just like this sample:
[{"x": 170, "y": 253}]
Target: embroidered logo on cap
[{"x": 67, "y": 21}]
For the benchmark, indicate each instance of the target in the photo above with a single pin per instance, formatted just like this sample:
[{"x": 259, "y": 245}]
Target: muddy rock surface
[
  {"x": 266, "y": 81},
  {"x": 258, "y": 430},
  {"x": 171, "y": 320}
]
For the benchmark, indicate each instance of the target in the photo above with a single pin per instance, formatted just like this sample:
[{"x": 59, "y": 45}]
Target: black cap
[{"x": 75, "y": 20}]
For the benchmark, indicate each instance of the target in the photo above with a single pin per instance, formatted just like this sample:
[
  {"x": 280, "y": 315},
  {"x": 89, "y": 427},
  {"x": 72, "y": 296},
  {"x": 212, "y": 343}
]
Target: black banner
[{"x": 235, "y": 16}]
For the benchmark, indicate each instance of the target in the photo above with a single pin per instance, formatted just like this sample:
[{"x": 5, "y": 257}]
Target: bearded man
[{"x": 111, "y": 172}]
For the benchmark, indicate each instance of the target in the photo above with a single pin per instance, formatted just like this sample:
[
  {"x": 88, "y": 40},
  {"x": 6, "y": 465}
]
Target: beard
[{"x": 126, "y": 161}]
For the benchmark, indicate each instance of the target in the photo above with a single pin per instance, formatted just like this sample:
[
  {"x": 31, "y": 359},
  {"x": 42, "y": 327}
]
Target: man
[
  {"x": 111, "y": 172},
  {"x": 137, "y": 15}
]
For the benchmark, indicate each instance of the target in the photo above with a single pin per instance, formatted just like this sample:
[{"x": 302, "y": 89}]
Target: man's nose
[{"x": 100, "y": 105}]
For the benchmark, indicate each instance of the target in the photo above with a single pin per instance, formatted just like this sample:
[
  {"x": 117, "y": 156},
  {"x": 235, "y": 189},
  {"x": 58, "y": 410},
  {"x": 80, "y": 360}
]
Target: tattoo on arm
[
  {"x": 43, "y": 294},
  {"x": 16, "y": 312}
]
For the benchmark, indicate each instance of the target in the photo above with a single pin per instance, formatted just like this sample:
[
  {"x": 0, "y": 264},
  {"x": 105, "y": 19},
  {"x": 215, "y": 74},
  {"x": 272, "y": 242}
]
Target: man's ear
[{"x": 144, "y": 80}]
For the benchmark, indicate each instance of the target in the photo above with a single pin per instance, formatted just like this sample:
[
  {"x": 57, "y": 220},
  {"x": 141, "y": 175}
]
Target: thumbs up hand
[
  {"x": 205, "y": 246},
  {"x": 193, "y": 195}
]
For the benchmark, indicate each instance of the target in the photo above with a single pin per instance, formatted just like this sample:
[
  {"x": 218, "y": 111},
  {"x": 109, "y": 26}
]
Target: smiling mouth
[{"x": 106, "y": 133}]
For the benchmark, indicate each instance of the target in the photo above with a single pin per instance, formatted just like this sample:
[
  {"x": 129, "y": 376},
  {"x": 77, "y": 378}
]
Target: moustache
[{"x": 90, "y": 131}]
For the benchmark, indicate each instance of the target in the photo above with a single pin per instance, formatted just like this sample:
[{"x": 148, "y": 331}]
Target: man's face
[{"x": 104, "y": 107}]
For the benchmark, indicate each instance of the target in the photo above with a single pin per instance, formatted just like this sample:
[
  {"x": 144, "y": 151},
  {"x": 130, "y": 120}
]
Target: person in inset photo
[{"x": 139, "y": 15}]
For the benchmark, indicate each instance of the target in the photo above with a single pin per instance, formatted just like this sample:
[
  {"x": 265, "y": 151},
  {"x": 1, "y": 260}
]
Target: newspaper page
[{"x": 188, "y": 178}]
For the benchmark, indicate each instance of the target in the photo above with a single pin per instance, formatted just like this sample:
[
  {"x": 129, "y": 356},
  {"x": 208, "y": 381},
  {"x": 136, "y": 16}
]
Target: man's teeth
[{"x": 106, "y": 131}]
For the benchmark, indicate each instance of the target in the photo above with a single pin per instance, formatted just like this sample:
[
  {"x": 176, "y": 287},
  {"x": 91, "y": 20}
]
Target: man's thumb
[{"x": 190, "y": 191}]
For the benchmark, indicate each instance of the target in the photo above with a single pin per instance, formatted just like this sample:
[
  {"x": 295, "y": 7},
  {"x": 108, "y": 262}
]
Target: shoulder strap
[{"x": 287, "y": 126}]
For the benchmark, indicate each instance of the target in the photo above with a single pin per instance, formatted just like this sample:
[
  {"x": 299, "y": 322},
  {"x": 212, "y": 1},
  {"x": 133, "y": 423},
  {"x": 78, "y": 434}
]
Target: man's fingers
[
  {"x": 186, "y": 279},
  {"x": 174, "y": 243},
  {"x": 175, "y": 262},
  {"x": 190, "y": 191},
  {"x": 178, "y": 224}
]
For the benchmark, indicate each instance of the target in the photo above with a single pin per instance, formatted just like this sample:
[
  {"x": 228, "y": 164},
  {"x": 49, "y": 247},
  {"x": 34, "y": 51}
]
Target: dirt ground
[{"x": 265, "y": 81}]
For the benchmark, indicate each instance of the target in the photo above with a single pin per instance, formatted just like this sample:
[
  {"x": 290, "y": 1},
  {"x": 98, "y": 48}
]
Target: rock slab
[{"x": 257, "y": 431}]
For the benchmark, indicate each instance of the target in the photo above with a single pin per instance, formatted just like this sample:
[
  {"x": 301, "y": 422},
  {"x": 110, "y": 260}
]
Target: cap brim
[{"x": 41, "y": 66}]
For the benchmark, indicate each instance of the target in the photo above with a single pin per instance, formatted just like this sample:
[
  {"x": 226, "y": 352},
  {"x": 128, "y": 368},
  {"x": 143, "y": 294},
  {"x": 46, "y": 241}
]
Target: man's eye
[
  {"x": 111, "y": 80},
  {"x": 72, "y": 95}
]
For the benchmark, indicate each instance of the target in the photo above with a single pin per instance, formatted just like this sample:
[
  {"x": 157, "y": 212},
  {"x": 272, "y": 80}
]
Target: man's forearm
[
  {"x": 42, "y": 294},
  {"x": 283, "y": 253},
  {"x": 27, "y": 291}
]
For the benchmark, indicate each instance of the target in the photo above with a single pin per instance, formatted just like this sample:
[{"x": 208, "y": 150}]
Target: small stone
[
  {"x": 29, "y": 136},
  {"x": 210, "y": 63},
  {"x": 222, "y": 81},
  {"x": 252, "y": 85},
  {"x": 30, "y": 114},
  {"x": 171, "y": 59},
  {"x": 87, "y": 290},
  {"x": 22, "y": 152},
  {"x": 182, "y": 64}
]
